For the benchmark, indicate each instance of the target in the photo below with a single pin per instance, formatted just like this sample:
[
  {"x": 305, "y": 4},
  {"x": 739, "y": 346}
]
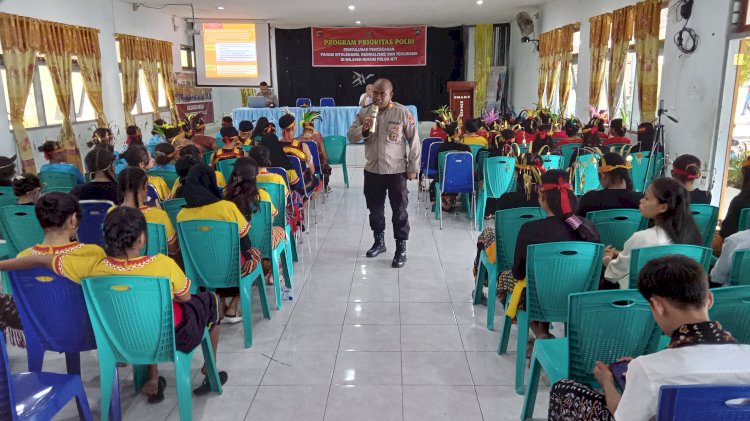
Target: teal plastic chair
[
  {"x": 133, "y": 323},
  {"x": 497, "y": 173},
  {"x": 278, "y": 198},
  {"x": 567, "y": 150},
  {"x": 553, "y": 271},
  {"x": 739, "y": 274},
  {"x": 57, "y": 181},
  {"x": 639, "y": 162},
  {"x": 744, "y": 222},
  {"x": 615, "y": 226},
  {"x": 247, "y": 148},
  {"x": 211, "y": 252},
  {"x": 225, "y": 167},
  {"x": 732, "y": 309},
  {"x": 157, "y": 240},
  {"x": 261, "y": 235},
  {"x": 172, "y": 208},
  {"x": 208, "y": 155},
  {"x": 552, "y": 162},
  {"x": 336, "y": 151},
  {"x": 7, "y": 197},
  {"x": 706, "y": 217},
  {"x": 20, "y": 228},
  {"x": 507, "y": 226},
  {"x": 169, "y": 176},
  {"x": 474, "y": 149},
  {"x": 586, "y": 174},
  {"x": 639, "y": 257},
  {"x": 602, "y": 326}
]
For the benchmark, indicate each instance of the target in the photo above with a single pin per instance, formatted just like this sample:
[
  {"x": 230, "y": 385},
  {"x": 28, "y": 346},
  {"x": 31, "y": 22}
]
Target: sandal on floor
[
  {"x": 205, "y": 387},
  {"x": 159, "y": 395},
  {"x": 231, "y": 319}
]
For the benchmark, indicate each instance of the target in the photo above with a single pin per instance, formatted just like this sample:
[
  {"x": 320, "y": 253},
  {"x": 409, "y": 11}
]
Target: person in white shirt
[
  {"x": 366, "y": 98},
  {"x": 667, "y": 204},
  {"x": 737, "y": 241},
  {"x": 700, "y": 351}
]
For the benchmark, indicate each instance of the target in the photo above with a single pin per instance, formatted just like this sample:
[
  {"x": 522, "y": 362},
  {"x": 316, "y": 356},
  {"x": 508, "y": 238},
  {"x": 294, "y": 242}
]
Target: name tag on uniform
[{"x": 394, "y": 132}]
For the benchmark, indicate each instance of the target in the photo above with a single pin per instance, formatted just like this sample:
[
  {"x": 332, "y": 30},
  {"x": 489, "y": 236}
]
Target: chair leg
[
  {"x": 107, "y": 377},
  {"x": 523, "y": 337},
  {"x": 73, "y": 362},
  {"x": 264, "y": 306},
  {"x": 481, "y": 206},
  {"x": 246, "y": 302},
  {"x": 182, "y": 379},
  {"x": 276, "y": 281},
  {"x": 285, "y": 267},
  {"x": 34, "y": 351},
  {"x": 502, "y": 347},
  {"x": 139, "y": 377},
  {"x": 210, "y": 360},
  {"x": 481, "y": 275},
  {"x": 346, "y": 175},
  {"x": 527, "y": 411},
  {"x": 84, "y": 411},
  {"x": 491, "y": 297}
]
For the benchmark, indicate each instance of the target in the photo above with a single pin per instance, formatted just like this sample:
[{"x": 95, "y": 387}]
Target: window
[
  {"x": 83, "y": 110},
  {"x": 30, "y": 114},
  {"x": 187, "y": 57}
]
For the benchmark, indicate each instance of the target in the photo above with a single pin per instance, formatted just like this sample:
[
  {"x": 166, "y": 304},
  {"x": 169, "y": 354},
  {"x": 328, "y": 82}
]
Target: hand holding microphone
[{"x": 370, "y": 122}]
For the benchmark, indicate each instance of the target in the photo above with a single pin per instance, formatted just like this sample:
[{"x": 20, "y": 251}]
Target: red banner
[{"x": 369, "y": 46}]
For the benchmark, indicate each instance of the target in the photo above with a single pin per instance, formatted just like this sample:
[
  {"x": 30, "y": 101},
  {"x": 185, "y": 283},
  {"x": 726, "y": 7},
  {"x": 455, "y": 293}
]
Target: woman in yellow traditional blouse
[
  {"x": 204, "y": 201},
  {"x": 182, "y": 166},
  {"x": 138, "y": 156},
  {"x": 133, "y": 184},
  {"x": 124, "y": 237},
  {"x": 471, "y": 127}
]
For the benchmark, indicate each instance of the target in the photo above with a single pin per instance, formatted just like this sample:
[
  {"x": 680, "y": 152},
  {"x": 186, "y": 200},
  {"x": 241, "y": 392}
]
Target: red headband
[
  {"x": 562, "y": 186},
  {"x": 689, "y": 176}
]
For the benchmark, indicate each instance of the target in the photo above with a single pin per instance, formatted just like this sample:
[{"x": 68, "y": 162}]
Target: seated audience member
[
  {"x": 558, "y": 201},
  {"x": 527, "y": 134},
  {"x": 55, "y": 154},
  {"x": 700, "y": 351},
  {"x": 164, "y": 157},
  {"x": 231, "y": 149},
  {"x": 543, "y": 142},
  {"x": 646, "y": 134},
  {"x": 617, "y": 187},
  {"x": 182, "y": 166},
  {"x": 471, "y": 127},
  {"x": 737, "y": 241},
  {"x": 245, "y": 133},
  {"x": 133, "y": 184},
  {"x": 134, "y": 136},
  {"x": 591, "y": 143},
  {"x": 300, "y": 150},
  {"x": 278, "y": 157},
  {"x": 226, "y": 121},
  {"x": 258, "y": 131},
  {"x": 366, "y": 98},
  {"x": 309, "y": 133},
  {"x": 27, "y": 189},
  {"x": 572, "y": 127},
  {"x": 686, "y": 169},
  {"x": 730, "y": 223},
  {"x": 193, "y": 151},
  {"x": 199, "y": 138},
  {"x": 100, "y": 163},
  {"x": 157, "y": 135},
  {"x": 125, "y": 234},
  {"x": 262, "y": 157},
  {"x": 667, "y": 204},
  {"x": 137, "y": 156},
  {"x": 7, "y": 170},
  {"x": 616, "y": 134},
  {"x": 102, "y": 138},
  {"x": 450, "y": 144}
]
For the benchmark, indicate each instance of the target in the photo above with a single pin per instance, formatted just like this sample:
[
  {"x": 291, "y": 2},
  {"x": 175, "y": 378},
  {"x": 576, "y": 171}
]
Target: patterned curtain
[
  {"x": 566, "y": 64},
  {"x": 647, "y": 16},
  {"x": 484, "y": 40},
  {"x": 151, "y": 74},
  {"x": 20, "y": 37},
  {"x": 170, "y": 86},
  {"x": 622, "y": 33},
  {"x": 598, "y": 40},
  {"x": 86, "y": 45},
  {"x": 553, "y": 65},
  {"x": 544, "y": 48}
]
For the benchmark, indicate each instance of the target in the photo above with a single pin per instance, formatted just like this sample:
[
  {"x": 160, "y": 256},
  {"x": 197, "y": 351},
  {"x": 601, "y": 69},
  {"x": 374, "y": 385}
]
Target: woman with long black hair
[{"x": 730, "y": 224}]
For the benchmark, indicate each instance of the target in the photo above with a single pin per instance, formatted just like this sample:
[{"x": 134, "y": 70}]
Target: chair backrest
[
  {"x": 172, "y": 207},
  {"x": 225, "y": 167},
  {"x": 53, "y": 309},
  {"x": 744, "y": 221},
  {"x": 732, "y": 309},
  {"x": 297, "y": 164},
  {"x": 132, "y": 316},
  {"x": 278, "y": 198},
  {"x": 474, "y": 151},
  {"x": 157, "y": 240},
  {"x": 169, "y": 176},
  {"x": 261, "y": 229},
  {"x": 208, "y": 156},
  {"x": 639, "y": 257},
  {"x": 432, "y": 169},
  {"x": 481, "y": 157},
  {"x": 556, "y": 270},
  {"x": 639, "y": 161},
  {"x": 739, "y": 274},
  {"x": 703, "y": 402},
  {"x": 552, "y": 162},
  {"x": 313, "y": 147},
  {"x": 7, "y": 197},
  {"x": 211, "y": 251},
  {"x": 706, "y": 217},
  {"x": 424, "y": 157},
  {"x": 606, "y": 325},
  {"x": 335, "y": 149},
  {"x": 567, "y": 151},
  {"x": 497, "y": 173},
  {"x": 586, "y": 174},
  {"x": 91, "y": 228},
  {"x": 280, "y": 171},
  {"x": 458, "y": 173},
  {"x": 20, "y": 227},
  {"x": 7, "y": 397},
  {"x": 508, "y": 224},
  {"x": 57, "y": 181},
  {"x": 327, "y": 102},
  {"x": 304, "y": 102},
  {"x": 615, "y": 226}
]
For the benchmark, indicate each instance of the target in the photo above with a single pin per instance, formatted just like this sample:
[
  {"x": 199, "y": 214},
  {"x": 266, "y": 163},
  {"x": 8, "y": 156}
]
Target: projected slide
[{"x": 230, "y": 50}]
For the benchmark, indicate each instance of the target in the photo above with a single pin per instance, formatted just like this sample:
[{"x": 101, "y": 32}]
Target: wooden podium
[{"x": 461, "y": 97}]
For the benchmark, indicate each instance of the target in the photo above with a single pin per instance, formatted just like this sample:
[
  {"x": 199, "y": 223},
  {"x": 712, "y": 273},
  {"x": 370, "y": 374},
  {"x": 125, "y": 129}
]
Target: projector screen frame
[{"x": 199, "y": 22}]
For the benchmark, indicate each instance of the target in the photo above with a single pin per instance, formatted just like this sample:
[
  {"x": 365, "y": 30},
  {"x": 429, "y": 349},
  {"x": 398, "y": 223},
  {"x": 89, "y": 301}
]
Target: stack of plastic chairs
[
  {"x": 639, "y": 257},
  {"x": 261, "y": 233},
  {"x": 601, "y": 326},
  {"x": 497, "y": 174},
  {"x": 457, "y": 176},
  {"x": 615, "y": 226},
  {"x": 91, "y": 227},
  {"x": 133, "y": 323},
  {"x": 336, "y": 151},
  {"x": 57, "y": 181},
  {"x": 706, "y": 217},
  {"x": 732, "y": 309},
  {"x": 703, "y": 402}
]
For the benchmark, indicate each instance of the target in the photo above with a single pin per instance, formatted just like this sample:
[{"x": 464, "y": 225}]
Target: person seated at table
[
  {"x": 700, "y": 351},
  {"x": 617, "y": 187},
  {"x": 54, "y": 153},
  {"x": 686, "y": 169},
  {"x": 450, "y": 144},
  {"x": 231, "y": 149},
  {"x": 300, "y": 150},
  {"x": 309, "y": 133},
  {"x": 271, "y": 99},
  {"x": 137, "y": 156},
  {"x": 366, "y": 98},
  {"x": 730, "y": 223},
  {"x": 616, "y": 134},
  {"x": 164, "y": 157},
  {"x": 27, "y": 189},
  {"x": 199, "y": 139},
  {"x": 245, "y": 133},
  {"x": 134, "y": 136},
  {"x": 259, "y": 130},
  {"x": 7, "y": 170},
  {"x": 667, "y": 204},
  {"x": 470, "y": 137},
  {"x": 157, "y": 135},
  {"x": 100, "y": 164},
  {"x": 572, "y": 127}
]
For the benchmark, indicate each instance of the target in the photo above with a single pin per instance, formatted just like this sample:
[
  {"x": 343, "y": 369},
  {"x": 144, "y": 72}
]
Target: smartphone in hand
[{"x": 619, "y": 369}]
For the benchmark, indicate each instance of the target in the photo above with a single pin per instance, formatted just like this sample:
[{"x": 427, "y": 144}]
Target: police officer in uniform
[{"x": 392, "y": 150}]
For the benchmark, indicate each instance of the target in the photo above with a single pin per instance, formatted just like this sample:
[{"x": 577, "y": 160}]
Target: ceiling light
[
  {"x": 351, "y": 7},
  {"x": 220, "y": 7},
  {"x": 479, "y": 2},
  {"x": 358, "y": 22}
]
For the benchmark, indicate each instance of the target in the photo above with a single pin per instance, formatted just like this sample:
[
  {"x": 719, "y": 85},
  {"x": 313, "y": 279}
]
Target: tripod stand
[{"x": 657, "y": 144}]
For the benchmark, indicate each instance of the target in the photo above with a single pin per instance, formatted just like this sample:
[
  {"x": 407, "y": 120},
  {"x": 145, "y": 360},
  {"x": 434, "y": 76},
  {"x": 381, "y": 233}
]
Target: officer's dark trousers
[{"x": 376, "y": 187}]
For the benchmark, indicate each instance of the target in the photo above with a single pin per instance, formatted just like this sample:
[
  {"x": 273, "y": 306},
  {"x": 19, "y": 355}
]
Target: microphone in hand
[{"x": 373, "y": 121}]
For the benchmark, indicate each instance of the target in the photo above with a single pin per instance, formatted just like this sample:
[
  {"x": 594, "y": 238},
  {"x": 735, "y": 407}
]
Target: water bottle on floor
[{"x": 286, "y": 294}]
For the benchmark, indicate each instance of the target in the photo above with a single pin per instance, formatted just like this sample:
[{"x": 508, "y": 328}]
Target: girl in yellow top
[
  {"x": 138, "y": 156},
  {"x": 124, "y": 237},
  {"x": 182, "y": 166},
  {"x": 133, "y": 184},
  {"x": 471, "y": 127},
  {"x": 262, "y": 157}
]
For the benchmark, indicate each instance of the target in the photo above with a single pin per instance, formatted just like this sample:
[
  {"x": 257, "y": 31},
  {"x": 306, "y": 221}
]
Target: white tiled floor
[{"x": 360, "y": 341}]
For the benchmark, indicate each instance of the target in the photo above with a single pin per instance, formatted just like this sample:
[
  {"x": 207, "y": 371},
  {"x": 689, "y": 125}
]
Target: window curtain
[
  {"x": 86, "y": 45},
  {"x": 170, "y": 86},
  {"x": 129, "y": 71},
  {"x": 484, "y": 40},
  {"x": 544, "y": 53},
  {"x": 599, "y": 27},
  {"x": 151, "y": 76},
  {"x": 565, "y": 49},
  {"x": 553, "y": 65},
  {"x": 19, "y": 36},
  {"x": 622, "y": 33},
  {"x": 647, "y": 16}
]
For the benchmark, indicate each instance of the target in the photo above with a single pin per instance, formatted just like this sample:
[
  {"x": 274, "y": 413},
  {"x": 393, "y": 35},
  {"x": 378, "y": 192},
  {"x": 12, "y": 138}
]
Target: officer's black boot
[
  {"x": 379, "y": 245},
  {"x": 399, "y": 259}
]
